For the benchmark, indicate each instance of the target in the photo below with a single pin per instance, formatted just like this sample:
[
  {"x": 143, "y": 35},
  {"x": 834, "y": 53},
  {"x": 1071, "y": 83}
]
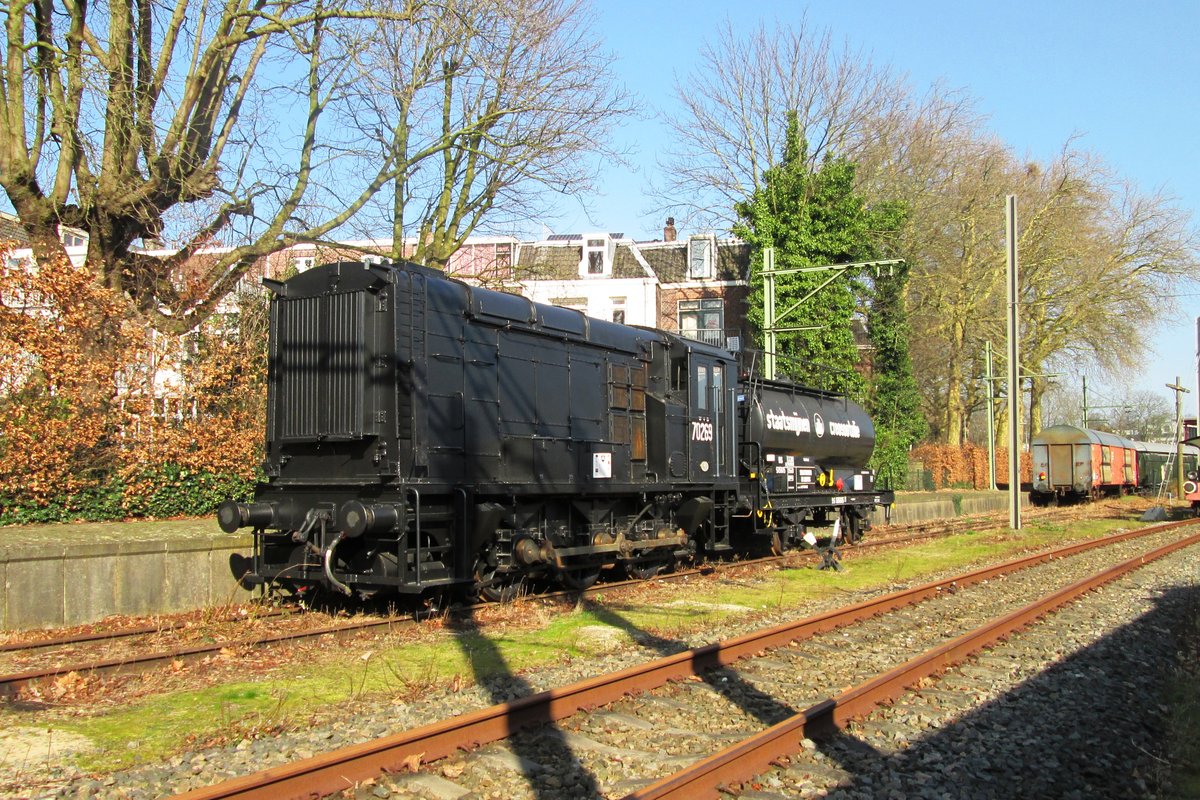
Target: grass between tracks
[{"x": 295, "y": 690}]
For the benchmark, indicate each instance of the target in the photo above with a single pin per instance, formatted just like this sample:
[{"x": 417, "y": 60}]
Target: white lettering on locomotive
[{"x": 702, "y": 430}]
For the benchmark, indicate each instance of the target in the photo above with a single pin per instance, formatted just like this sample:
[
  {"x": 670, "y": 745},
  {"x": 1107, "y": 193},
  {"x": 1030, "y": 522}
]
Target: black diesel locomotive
[{"x": 424, "y": 434}]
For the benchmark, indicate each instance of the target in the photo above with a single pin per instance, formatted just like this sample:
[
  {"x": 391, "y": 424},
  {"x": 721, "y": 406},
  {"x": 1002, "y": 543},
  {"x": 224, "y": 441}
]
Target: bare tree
[
  {"x": 136, "y": 120},
  {"x": 1100, "y": 261},
  {"x": 487, "y": 108},
  {"x": 734, "y": 104}
]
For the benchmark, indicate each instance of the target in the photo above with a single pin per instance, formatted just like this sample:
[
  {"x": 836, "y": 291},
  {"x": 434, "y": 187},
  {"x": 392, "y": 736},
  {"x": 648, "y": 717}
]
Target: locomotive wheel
[
  {"x": 497, "y": 588},
  {"x": 580, "y": 578},
  {"x": 645, "y": 570}
]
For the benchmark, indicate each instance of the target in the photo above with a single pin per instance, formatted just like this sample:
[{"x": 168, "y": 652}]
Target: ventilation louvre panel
[{"x": 321, "y": 357}]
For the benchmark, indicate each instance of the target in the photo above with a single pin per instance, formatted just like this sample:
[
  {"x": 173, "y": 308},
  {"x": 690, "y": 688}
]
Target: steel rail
[
  {"x": 342, "y": 768},
  {"x": 11, "y": 684},
  {"x": 144, "y": 630},
  {"x": 754, "y": 755}
]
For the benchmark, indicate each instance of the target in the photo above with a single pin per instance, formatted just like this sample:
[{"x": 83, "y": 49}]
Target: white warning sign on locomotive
[{"x": 601, "y": 465}]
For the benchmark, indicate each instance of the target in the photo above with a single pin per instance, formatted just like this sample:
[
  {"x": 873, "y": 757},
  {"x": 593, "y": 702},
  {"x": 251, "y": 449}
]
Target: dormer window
[
  {"x": 597, "y": 260},
  {"x": 700, "y": 257}
]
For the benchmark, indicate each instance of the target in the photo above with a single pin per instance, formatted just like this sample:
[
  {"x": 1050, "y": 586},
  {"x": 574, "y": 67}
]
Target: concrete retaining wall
[
  {"x": 942, "y": 506},
  {"x": 70, "y": 575},
  {"x": 52, "y": 585}
]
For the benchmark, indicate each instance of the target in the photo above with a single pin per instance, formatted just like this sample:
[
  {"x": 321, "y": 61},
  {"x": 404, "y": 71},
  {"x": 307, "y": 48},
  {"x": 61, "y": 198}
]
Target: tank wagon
[{"x": 424, "y": 434}]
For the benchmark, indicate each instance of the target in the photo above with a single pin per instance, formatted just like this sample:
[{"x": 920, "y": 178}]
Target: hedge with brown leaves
[
  {"x": 80, "y": 437},
  {"x": 966, "y": 466}
]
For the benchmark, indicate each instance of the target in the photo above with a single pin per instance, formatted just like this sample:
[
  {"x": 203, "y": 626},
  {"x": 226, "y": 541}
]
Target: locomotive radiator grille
[{"x": 321, "y": 363}]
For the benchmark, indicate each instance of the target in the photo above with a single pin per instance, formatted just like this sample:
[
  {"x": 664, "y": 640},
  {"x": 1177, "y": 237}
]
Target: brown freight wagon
[{"x": 1071, "y": 463}]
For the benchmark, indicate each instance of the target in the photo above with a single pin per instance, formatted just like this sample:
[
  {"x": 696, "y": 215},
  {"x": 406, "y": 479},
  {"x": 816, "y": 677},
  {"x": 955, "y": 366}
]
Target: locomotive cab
[{"x": 702, "y": 421}]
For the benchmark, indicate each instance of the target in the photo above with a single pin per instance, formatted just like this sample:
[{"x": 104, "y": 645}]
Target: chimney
[{"x": 669, "y": 231}]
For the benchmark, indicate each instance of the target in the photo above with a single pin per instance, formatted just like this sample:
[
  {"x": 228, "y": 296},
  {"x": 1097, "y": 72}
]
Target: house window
[
  {"x": 703, "y": 320},
  {"x": 578, "y": 303},
  {"x": 618, "y": 314},
  {"x": 302, "y": 263},
  {"x": 504, "y": 254},
  {"x": 595, "y": 260},
  {"x": 700, "y": 257}
]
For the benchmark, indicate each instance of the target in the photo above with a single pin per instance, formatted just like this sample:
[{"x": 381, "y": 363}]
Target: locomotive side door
[{"x": 710, "y": 426}]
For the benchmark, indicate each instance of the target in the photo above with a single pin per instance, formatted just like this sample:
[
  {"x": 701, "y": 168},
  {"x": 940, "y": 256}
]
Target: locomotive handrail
[{"x": 416, "y": 493}]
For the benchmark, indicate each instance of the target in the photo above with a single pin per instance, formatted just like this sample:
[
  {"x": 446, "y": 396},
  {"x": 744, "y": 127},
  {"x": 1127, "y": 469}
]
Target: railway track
[
  {"x": 690, "y": 723},
  {"x": 48, "y": 666},
  {"x": 24, "y": 645},
  {"x": 13, "y": 683}
]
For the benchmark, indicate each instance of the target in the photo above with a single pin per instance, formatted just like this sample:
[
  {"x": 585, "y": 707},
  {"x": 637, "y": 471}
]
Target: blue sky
[{"x": 1120, "y": 76}]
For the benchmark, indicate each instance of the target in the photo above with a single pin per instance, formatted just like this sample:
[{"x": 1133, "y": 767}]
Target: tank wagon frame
[{"x": 424, "y": 434}]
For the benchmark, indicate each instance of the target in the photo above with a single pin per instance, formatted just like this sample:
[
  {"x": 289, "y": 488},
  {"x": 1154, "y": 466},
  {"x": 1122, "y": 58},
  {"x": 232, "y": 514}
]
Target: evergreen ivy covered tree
[
  {"x": 811, "y": 218},
  {"x": 895, "y": 401},
  {"x": 815, "y": 218}
]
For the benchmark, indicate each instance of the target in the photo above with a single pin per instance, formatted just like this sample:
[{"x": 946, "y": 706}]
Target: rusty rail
[
  {"x": 754, "y": 755},
  {"x": 341, "y": 769},
  {"x": 124, "y": 633}
]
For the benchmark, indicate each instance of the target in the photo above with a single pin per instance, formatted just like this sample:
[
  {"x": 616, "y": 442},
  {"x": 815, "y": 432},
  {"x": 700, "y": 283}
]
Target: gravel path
[{"x": 952, "y": 740}]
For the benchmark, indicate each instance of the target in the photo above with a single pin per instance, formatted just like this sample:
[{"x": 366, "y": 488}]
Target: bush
[
  {"x": 966, "y": 467},
  {"x": 174, "y": 491},
  {"x": 95, "y": 504},
  {"x": 84, "y": 437}
]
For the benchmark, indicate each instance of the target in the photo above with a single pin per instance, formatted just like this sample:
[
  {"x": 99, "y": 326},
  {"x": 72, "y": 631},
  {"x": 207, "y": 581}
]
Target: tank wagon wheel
[{"x": 853, "y": 530}]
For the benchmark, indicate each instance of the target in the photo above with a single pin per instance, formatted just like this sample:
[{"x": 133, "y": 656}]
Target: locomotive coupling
[{"x": 232, "y": 515}]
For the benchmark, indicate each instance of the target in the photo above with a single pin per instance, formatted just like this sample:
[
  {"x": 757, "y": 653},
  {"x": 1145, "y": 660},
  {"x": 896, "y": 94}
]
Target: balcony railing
[{"x": 729, "y": 339}]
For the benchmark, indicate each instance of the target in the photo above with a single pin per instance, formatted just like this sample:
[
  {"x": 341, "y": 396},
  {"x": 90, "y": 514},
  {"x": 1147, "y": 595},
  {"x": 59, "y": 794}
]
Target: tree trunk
[{"x": 955, "y": 412}]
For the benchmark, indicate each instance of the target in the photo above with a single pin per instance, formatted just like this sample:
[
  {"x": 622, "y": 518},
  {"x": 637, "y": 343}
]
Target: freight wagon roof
[
  {"x": 1070, "y": 434},
  {"x": 1165, "y": 449}
]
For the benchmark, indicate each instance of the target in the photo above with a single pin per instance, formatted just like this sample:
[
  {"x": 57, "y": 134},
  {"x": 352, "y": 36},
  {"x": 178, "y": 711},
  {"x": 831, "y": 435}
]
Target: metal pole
[
  {"x": 991, "y": 415},
  {"x": 769, "y": 312},
  {"x": 1014, "y": 361},
  {"x": 1085, "y": 422},
  {"x": 1179, "y": 389}
]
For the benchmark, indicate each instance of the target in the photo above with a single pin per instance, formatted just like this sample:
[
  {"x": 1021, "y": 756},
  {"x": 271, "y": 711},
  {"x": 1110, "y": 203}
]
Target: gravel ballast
[{"x": 1068, "y": 709}]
